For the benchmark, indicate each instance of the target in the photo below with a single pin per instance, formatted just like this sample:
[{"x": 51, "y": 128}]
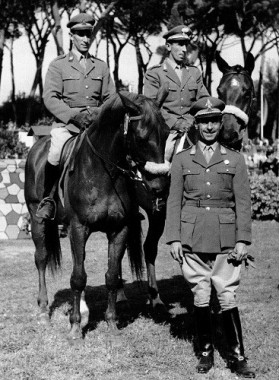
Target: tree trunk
[
  {"x": 2, "y": 42},
  {"x": 140, "y": 66},
  {"x": 57, "y": 30},
  {"x": 13, "y": 97}
]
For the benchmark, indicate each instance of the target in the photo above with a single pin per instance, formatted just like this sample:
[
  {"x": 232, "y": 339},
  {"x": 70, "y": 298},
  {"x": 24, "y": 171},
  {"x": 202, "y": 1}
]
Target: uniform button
[
  {"x": 88, "y": 107},
  {"x": 208, "y": 196},
  {"x": 87, "y": 97},
  {"x": 227, "y": 170},
  {"x": 207, "y": 170},
  {"x": 207, "y": 208},
  {"x": 208, "y": 183},
  {"x": 86, "y": 86},
  {"x": 181, "y": 98}
]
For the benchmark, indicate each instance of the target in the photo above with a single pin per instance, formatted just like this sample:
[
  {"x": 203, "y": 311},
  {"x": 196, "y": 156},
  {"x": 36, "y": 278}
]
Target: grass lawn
[{"x": 145, "y": 348}]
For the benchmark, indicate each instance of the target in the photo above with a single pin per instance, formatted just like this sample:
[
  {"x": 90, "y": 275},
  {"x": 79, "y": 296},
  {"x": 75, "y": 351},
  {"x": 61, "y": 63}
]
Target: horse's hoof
[
  {"x": 75, "y": 334},
  {"x": 43, "y": 319}
]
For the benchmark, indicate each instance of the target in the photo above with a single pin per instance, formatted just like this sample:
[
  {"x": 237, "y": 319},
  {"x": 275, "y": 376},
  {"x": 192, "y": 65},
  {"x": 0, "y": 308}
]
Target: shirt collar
[
  {"x": 173, "y": 64},
  {"x": 78, "y": 54},
  {"x": 203, "y": 146}
]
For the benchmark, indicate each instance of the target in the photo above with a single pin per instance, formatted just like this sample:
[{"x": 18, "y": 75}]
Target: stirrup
[{"x": 51, "y": 204}]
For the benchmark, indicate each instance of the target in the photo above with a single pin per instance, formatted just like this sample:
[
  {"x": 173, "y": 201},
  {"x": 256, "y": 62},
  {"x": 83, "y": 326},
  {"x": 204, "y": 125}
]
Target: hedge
[{"x": 265, "y": 196}]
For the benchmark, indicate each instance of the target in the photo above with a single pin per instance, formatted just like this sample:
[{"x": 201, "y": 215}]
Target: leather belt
[
  {"x": 210, "y": 203},
  {"x": 77, "y": 104}
]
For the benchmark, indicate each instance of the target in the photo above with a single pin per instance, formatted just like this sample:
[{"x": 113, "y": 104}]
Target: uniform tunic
[
  {"x": 221, "y": 189},
  {"x": 69, "y": 89},
  {"x": 182, "y": 93}
]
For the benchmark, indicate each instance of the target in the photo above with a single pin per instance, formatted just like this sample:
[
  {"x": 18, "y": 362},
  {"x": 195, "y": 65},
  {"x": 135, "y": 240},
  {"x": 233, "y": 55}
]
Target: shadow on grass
[{"x": 175, "y": 294}]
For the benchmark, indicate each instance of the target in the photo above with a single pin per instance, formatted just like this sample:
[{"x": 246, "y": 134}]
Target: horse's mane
[{"x": 113, "y": 110}]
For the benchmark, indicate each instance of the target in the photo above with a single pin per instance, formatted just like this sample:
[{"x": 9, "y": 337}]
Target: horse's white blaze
[
  {"x": 235, "y": 83},
  {"x": 153, "y": 168},
  {"x": 237, "y": 112}
]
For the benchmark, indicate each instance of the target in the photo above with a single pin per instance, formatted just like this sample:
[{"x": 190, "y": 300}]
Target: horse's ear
[
  {"x": 221, "y": 63},
  {"x": 249, "y": 63},
  {"x": 129, "y": 105},
  {"x": 162, "y": 94}
]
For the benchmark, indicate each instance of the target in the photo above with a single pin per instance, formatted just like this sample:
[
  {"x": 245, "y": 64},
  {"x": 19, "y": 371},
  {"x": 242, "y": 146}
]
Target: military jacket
[
  {"x": 209, "y": 205},
  {"x": 70, "y": 89},
  {"x": 182, "y": 94}
]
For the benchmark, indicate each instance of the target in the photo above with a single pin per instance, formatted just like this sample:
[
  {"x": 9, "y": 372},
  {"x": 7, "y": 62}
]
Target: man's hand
[
  {"x": 238, "y": 254},
  {"x": 82, "y": 120},
  {"x": 176, "y": 251}
]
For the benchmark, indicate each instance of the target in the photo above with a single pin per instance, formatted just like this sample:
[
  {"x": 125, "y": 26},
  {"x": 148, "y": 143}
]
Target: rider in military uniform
[
  {"x": 209, "y": 228},
  {"x": 76, "y": 85},
  {"x": 184, "y": 83}
]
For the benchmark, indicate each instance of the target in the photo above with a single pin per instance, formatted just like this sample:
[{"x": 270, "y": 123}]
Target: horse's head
[
  {"x": 236, "y": 89},
  {"x": 146, "y": 133}
]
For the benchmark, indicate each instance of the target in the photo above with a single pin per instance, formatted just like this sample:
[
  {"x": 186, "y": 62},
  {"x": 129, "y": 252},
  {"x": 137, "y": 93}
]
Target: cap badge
[
  {"x": 208, "y": 105},
  {"x": 83, "y": 22}
]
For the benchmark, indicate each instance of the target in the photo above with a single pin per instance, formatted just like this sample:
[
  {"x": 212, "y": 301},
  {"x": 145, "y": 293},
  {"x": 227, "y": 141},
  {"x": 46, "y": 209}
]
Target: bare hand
[
  {"x": 176, "y": 251},
  {"x": 239, "y": 253}
]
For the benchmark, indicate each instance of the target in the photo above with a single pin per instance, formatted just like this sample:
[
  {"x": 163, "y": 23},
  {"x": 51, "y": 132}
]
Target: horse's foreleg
[
  {"x": 155, "y": 231},
  {"x": 117, "y": 245},
  {"x": 78, "y": 236}
]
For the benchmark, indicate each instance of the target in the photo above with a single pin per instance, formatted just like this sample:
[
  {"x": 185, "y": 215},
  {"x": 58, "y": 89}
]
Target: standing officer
[
  {"x": 76, "y": 85},
  {"x": 209, "y": 227},
  {"x": 184, "y": 82}
]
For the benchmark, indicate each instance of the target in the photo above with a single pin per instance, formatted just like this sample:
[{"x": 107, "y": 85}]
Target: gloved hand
[
  {"x": 239, "y": 254},
  {"x": 82, "y": 120}
]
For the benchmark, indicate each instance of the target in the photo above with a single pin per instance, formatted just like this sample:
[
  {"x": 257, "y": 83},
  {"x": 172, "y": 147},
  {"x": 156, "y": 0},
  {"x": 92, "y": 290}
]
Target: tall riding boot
[
  {"x": 236, "y": 361},
  {"x": 204, "y": 331},
  {"x": 47, "y": 207}
]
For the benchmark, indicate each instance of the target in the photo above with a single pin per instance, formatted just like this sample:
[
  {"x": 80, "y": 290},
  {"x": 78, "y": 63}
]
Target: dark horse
[
  {"x": 237, "y": 91},
  {"x": 96, "y": 194}
]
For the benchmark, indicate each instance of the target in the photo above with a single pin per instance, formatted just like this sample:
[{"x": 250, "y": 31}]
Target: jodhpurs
[
  {"x": 202, "y": 271},
  {"x": 58, "y": 138}
]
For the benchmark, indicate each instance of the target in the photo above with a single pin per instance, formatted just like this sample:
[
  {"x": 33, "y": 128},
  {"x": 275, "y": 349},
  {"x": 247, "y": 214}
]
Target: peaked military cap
[
  {"x": 207, "y": 107},
  {"x": 81, "y": 21},
  {"x": 179, "y": 33}
]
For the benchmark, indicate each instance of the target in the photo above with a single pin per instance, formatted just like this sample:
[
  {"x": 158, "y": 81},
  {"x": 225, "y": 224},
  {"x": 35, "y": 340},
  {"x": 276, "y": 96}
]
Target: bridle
[
  {"x": 236, "y": 111},
  {"x": 134, "y": 171}
]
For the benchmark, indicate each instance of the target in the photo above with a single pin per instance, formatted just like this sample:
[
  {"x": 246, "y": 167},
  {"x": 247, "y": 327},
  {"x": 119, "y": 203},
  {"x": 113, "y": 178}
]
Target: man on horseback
[
  {"x": 76, "y": 85},
  {"x": 184, "y": 82}
]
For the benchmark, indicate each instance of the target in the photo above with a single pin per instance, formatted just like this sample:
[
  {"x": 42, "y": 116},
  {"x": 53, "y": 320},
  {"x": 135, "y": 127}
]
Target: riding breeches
[
  {"x": 59, "y": 136},
  {"x": 202, "y": 271}
]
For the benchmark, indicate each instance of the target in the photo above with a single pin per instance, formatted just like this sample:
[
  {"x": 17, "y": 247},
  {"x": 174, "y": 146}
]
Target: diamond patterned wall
[{"x": 12, "y": 204}]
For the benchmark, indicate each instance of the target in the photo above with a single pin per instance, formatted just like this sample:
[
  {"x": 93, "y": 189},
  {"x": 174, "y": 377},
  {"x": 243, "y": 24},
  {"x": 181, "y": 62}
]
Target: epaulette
[
  {"x": 232, "y": 149},
  {"x": 184, "y": 150},
  {"x": 155, "y": 66},
  {"x": 60, "y": 57}
]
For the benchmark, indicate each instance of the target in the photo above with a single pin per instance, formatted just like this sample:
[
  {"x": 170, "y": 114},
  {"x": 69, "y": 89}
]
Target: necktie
[
  {"x": 82, "y": 62},
  {"x": 208, "y": 152},
  {"x": 178, "y": 71}
]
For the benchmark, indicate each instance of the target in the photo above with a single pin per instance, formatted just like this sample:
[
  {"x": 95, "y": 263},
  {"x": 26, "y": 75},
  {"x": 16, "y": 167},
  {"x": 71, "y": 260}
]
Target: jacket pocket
[
  {"x": 97, "y": 80},
  {"x": 71, "y": 83},
  {"x": 193, "y": 89},
  {"x": 225, "y": 175},
  {"x": 188, "y": 221},
  {"x": 192, "y": 179},
  {"x": 227, "y": 230}
]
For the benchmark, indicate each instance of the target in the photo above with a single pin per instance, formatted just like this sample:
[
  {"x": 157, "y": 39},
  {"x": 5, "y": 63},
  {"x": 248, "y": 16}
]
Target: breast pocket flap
[
  {"x": 190, "y": 172},
  {"x": 227, "y": 170}
]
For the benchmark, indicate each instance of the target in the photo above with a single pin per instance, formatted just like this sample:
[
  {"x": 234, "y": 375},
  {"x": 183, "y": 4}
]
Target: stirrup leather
[{"x": 43, "y": 203}]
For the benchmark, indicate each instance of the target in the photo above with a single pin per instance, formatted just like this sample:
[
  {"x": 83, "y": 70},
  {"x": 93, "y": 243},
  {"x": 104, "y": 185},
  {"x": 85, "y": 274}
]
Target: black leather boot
[
  {"x": 204, "y": 331},
  {"x": 236, "y": 360},
  {"x": 47, "y": 207}
]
